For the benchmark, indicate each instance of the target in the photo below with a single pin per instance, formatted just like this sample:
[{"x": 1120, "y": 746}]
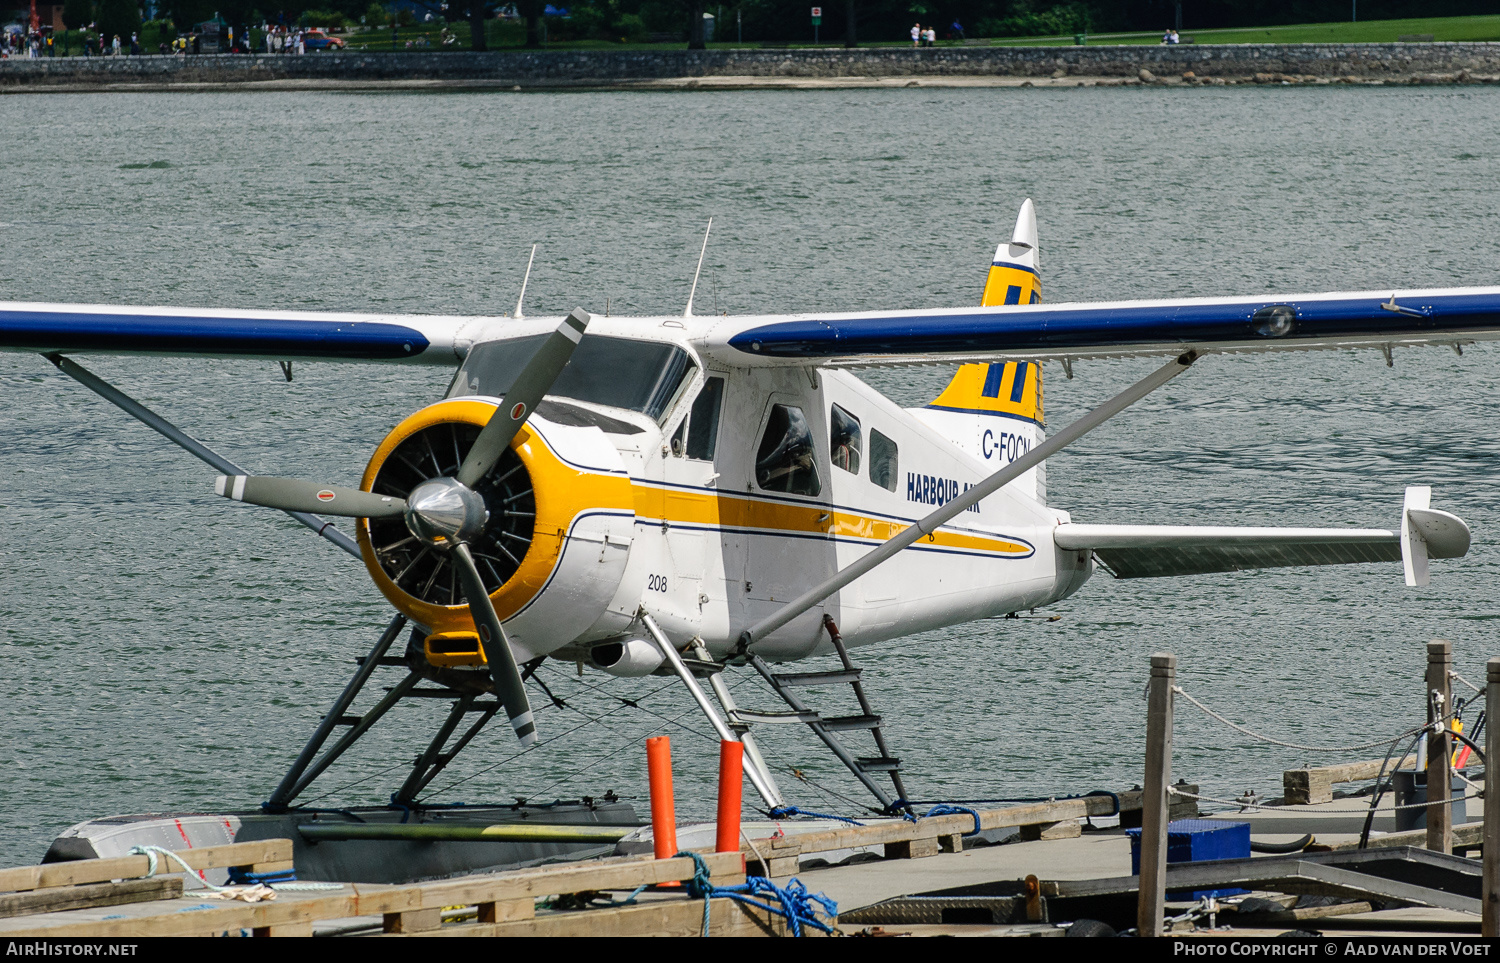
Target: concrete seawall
[{"x": 1433, "y": 62}]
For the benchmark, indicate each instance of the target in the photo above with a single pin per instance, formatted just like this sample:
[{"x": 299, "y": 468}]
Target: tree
[
  {"x": 476, "y": 26},
  {"x": 76, "y": 14},
  {"x": 695, "y": 25},
  {"x": 532, "y": 11},
  {"x": 849, "y": 38},
  {"x": 118, "y": 18}
]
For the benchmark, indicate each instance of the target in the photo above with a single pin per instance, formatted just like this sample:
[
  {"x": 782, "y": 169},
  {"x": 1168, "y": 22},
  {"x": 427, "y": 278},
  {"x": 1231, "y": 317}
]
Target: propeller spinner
[{"x": 446, "y": 513}]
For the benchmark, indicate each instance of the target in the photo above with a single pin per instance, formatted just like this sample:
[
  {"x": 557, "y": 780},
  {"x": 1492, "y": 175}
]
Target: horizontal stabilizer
[{"x": 1147, "y": 551}]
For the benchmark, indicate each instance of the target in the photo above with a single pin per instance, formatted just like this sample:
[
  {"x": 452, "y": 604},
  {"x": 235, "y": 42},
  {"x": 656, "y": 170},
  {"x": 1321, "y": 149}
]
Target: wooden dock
[
  {"x": 104, "y": 898},
  {"x": 1050, "y": 876},
  {"x": 113, "y": 898}
]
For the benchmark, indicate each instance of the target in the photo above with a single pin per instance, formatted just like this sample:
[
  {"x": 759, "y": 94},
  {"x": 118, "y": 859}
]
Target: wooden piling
[
  {"x": 1439, "y": 747},
  {"x": 1154, "y": 803},
  {"x": 1491, "y": 895}
]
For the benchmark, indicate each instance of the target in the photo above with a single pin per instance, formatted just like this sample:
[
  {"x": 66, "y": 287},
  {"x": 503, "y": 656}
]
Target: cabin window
[
  {"x": 644, "y": 376},
  {"x": 785, "y": 462},
  {"x": 844, "y": 440},
  {"x": 703, "y": 423},
  {"x": 883, "y": 461}
]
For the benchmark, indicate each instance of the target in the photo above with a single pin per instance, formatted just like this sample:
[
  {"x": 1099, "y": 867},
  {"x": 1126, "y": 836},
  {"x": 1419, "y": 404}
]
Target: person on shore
[
  {"x": 916, "y": 35},
  {"x": 958, "y": 30},
  {"x": 135, "y": 45},
  {"x": 114, "y": 47},
  {"x": 930, "y": 37}
]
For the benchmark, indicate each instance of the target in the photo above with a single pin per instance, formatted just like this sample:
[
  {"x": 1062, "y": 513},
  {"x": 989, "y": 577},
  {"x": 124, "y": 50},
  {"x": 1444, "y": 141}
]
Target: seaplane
[{"x": 695, "y": 495}]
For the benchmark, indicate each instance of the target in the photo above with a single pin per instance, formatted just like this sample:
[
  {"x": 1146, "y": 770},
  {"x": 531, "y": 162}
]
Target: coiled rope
[
  {"x": 784, "y": 812},
  {"x": 944, "y": 809},
  {"x": 793, "y": 902}
]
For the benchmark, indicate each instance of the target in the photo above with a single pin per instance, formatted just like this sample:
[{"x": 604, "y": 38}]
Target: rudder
[{"x": 994, "y": 411}]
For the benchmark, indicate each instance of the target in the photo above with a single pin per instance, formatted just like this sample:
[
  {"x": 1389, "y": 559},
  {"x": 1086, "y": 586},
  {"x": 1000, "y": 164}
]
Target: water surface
[{"x": 162, "y": 649}]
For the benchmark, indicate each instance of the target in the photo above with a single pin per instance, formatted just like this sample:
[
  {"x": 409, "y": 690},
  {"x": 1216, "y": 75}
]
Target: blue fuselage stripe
[
  {"x": 992, "y": 414},
  {"x": 172, "y": 334}
]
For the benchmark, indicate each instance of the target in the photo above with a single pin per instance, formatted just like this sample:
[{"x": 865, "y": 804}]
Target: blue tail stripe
[
  {"x": 1018, "y": 387},
  {"x": 992, "y": 380}
]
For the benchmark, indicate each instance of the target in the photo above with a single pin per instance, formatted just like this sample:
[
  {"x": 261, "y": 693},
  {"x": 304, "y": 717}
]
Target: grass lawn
[
  {"x": 1372, "y": 31},
  {"x": 511, "y": 35}
]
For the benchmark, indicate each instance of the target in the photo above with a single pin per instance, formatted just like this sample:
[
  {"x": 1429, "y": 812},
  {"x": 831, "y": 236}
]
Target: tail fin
[
  {"x": 1013, "y": 275},
  {"x": 994, "y": 411}
]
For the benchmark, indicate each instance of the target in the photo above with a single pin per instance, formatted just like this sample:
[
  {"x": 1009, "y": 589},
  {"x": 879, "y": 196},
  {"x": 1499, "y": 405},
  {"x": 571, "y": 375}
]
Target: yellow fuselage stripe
[{"x": 676, "y": 506}]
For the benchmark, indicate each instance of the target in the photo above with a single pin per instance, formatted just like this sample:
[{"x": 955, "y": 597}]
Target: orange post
[
  {"x": 663, "y": 812},
  {"x": 731, "y": 783}
]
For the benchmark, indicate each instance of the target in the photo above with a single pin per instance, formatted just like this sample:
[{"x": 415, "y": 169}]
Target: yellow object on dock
[{"x": 497, "y": 833}]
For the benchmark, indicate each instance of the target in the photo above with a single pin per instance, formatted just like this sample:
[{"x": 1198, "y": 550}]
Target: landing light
[{"x": 1274, "y": 320}]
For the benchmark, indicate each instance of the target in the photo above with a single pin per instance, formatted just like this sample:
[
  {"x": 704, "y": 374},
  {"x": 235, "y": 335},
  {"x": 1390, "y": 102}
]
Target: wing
[
  {"x": 1452, "y": 316},
  {"x": 1148, "y": 551},
  {"x": 211, "y": 333}
]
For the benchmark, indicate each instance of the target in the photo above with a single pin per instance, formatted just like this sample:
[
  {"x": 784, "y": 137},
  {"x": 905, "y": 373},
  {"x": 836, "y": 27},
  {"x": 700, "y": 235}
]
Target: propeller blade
[
  {"x": 530, "y": 386},
  {"x": 292, "y": 495},
  {"x": 509, "y": 688}
]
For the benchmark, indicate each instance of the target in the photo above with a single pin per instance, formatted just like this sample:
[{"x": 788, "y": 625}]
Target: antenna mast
[
  {"x": 524, "y": 280},
  {"x": 688, "y": 312}
]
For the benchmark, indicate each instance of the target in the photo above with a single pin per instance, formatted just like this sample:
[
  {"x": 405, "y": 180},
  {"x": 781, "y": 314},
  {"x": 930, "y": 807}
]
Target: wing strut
[
  {"x": 186, "y": 442},
  {"x": 989, "y": 486}
]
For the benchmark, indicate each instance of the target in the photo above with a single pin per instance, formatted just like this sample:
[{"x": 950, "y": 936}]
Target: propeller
[
  {"x": 447, "y": 513},
  {"x": 294, "y": 495}
]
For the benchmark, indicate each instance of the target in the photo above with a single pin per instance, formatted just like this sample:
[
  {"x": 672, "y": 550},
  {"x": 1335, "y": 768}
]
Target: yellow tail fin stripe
[
  {"x": 1008, "y": 284},
  {"x": 1013, "y": 389}
]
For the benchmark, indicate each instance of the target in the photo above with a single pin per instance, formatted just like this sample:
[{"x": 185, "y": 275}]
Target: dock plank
[
  {"x": 505, "y": 896},
  {"x": 667, "y": 917},
  {"x": 189, "y": 916},
  {"x": 56, "y": 899},
  {"x": 620, "y": 872},
  {"x": 902, "y": 831},
  {"x": 1303, "y": 787},
  {"x": 72, "y": 873}
]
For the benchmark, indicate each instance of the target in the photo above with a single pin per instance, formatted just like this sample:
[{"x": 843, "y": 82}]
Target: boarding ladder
[{"x": 827, "y": 728}]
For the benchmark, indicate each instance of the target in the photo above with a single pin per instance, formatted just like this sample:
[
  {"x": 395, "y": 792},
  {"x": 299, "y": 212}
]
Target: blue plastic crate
[{"x": 1196, "y": 841}]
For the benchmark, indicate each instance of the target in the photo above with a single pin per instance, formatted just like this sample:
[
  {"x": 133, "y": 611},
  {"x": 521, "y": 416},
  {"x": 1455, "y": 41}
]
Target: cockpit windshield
[{"x": 642, "y": 376}]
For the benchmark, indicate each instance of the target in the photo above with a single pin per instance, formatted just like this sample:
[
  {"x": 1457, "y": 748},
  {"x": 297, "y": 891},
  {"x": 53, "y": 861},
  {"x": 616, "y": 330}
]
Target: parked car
[{"x": 318, "y": 40}]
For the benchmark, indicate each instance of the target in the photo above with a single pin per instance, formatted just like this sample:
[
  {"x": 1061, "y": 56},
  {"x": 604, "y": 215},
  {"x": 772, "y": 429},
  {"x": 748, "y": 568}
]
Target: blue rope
[
  {"x": 783, "y": 812},
  {"x": 943, "y": 809},
  {"x": 797, "y": 906}
]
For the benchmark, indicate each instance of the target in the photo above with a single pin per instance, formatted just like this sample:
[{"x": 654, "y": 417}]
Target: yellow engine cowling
[{"x": 555, "y": 548}]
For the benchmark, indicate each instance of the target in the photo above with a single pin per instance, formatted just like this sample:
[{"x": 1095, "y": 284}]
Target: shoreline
[
  {"x": 769, "y": 69},
  {"x": 419, "y": 85}
]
